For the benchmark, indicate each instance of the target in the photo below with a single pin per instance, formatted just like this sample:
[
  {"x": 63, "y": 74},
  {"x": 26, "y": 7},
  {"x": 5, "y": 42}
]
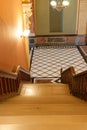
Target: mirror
[{"x": 52, "y": 22}]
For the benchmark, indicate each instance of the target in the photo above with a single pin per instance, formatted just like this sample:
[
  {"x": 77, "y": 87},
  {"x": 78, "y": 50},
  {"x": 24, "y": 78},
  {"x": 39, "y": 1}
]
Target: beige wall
[
  {"x": 12, "y": 49},
  {"x": 42, "y": 18},
  {"x": 82, "y": 24},
  {"x": 69, "y": 18}
]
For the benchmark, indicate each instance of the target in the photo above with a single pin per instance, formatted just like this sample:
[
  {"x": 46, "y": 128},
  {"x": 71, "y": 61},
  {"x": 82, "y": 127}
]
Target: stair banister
[
  {"x": 77, "y": 82},
  {"x": 10, "y": 81}
]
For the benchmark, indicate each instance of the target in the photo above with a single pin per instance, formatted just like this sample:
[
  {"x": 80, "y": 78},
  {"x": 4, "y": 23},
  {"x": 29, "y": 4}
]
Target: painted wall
[
  {"x": 43, "y": 22},
  {"x": 42, "y": 16},
  {"x": 69, "y": 18},
  {"x": 82, "y": 24},
  {"x": 12, "y": 49}
]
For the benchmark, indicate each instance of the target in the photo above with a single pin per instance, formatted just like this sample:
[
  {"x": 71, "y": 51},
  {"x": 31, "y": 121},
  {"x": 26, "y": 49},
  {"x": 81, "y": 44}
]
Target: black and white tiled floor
[{"x": 47, "y": 62}]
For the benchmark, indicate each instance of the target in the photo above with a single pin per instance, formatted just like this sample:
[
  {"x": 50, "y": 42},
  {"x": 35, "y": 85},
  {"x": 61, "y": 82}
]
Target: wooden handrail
[
  {"x": 82, "y": 73},
  {"x": 10, "y": 81},
  {"x": 77, "y": 82},
  {"x": 23, "y": 74},
  {"x": 7, "y": 74}
]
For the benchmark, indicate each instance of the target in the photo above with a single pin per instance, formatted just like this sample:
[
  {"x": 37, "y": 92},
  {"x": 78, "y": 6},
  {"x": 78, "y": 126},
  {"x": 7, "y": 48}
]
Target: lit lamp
[
  {"x": 59, "y": 4},
  {"x": 26, "y": 33}
]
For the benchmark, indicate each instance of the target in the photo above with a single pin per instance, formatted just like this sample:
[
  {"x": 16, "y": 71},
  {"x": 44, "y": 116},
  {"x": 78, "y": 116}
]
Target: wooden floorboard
[{"x": 50, "y": 107}]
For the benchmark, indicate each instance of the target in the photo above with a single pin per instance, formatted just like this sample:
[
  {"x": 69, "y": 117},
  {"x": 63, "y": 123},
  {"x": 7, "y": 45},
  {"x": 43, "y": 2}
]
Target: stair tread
[
  {"x": 50, "y": 107},
  {"x": 48, "y": 99},
  {"x": 44, "y": 89}
]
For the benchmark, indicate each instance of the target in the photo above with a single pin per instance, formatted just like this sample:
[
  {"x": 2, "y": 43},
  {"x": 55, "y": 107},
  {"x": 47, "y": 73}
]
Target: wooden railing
[
  {"x": 77, "y": 82},
  {"x": 10, "y": 81},
  {"x": 83, "y": 51}
]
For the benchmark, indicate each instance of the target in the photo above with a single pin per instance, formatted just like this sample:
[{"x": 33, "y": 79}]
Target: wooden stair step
[
  {"x": 46, "y": 122},
  {"x": 43, "y": 106},
  {"x": 44, "y": 89}
]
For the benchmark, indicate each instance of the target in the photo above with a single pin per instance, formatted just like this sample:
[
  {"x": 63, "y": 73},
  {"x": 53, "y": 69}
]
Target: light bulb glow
[
  {"x": 65, "y": 3},
  {"x": 53, "y": 3},
  {"x": 26, "y": 32},
  {"x": 59, "y": 4}
]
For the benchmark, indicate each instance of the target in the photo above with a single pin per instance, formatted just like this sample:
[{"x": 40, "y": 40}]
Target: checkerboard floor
[{"x": 47, "y": 62}]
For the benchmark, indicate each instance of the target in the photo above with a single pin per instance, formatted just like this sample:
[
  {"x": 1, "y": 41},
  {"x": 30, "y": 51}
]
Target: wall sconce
[{"x": 26, "y": 33}]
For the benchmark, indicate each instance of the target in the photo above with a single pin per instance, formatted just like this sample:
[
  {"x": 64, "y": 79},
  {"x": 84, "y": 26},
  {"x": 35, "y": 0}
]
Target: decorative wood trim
[
  {"x": 27, "y": 12},
  {"x": 34, "y": 14},
  {"x": 26, "y": 45},
  {"x": 56, "y": 35},
  {"x": 62, "y": 35},
  {"x": 67, "y": 39},
  {"x": 82, "y": 28},
  {"x": 78, "y": 11}
]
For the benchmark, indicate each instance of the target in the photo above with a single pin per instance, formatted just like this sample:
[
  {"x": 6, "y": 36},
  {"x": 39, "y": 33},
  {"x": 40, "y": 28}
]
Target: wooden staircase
[{"x": 43, "y": 107}]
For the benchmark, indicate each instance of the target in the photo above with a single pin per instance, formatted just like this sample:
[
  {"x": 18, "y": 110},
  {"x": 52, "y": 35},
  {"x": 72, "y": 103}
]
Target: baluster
[
  {"x": 1, "y": 87},
  {"x": 4, "y": 86}
]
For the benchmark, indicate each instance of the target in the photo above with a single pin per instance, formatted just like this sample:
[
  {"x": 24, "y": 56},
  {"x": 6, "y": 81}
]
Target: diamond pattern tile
[{"x": 48, "y": 61}]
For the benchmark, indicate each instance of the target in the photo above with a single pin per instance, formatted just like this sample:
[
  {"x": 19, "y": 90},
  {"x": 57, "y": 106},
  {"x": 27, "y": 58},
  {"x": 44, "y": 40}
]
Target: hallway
[{"x": 43, "y": 106}]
